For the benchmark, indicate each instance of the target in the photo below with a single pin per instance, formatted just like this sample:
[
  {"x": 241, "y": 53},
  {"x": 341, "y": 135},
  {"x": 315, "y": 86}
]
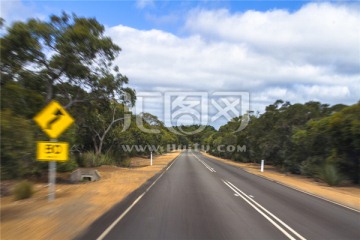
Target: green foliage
[
  {"x": 82, "y": 58},
  {"x": 331, "y": 175},
  {"x": 67, "y": 166},
  {"x": 80, "y": 73},
  {"x": 90, "y": 159},
  {"x": 17, "y": 145},
  {"x": 125, "y": 163},
  {"x": 310, "y": 167},
  {"x": 23, "y": 190},
  {"x": 21, "y": 99},
  {"x": 298, "y": 138},
  {"x": 106, "y": 159}
]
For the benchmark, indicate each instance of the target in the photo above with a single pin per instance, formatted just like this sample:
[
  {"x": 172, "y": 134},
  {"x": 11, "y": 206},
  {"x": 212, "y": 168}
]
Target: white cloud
[
  {"x": 16, "y": 10},
  {"x": 310, "y": 54},
  {"x": 319, "y": 34},
  {"x": 145, "y": 3},
  {"x": 320, "y": 92}
]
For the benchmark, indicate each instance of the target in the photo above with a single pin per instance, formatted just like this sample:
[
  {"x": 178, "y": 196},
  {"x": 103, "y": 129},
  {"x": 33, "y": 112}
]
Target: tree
[
  {"x": 67, "y": 58},
  {"x": 344, "y": 129},
  {"x": 67, "y": 55},
  {"x": 101, "y": 117},
  {"x": 17, "y": 147}
]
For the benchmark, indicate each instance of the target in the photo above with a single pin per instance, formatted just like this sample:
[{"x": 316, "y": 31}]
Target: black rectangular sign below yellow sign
[{"x": 52, "y": 151}]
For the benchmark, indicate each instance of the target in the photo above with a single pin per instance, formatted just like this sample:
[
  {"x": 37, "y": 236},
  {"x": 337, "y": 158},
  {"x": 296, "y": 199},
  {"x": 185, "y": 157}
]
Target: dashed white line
[{"x": 265, "y": 213}]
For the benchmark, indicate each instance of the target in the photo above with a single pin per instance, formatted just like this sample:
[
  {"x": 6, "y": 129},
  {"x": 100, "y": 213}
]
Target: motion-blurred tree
[
  {"x": 64, "y": 55},
  {"x": 66, "y": 58}
]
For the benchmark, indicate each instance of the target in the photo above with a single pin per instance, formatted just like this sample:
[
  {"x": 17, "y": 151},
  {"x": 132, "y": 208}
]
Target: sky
[{"x": 297, "y": 51}]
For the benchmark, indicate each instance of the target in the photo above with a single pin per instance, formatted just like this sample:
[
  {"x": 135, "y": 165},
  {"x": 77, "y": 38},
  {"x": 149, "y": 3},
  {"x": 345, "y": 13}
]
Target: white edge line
[
  {"x": 262, "y": 213},
  {"x": 268, "y": 212},
  {"x": 308, "y": 193},
  {"x": 295, "y": 188},
  {"x": 171, "y": 163},
  {"x": 108, "y": 229},
  {"x": 314, "y": 195}
]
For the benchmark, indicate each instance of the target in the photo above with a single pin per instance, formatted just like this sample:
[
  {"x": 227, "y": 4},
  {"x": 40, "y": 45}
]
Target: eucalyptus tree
[{"x": 64, "y": 55}]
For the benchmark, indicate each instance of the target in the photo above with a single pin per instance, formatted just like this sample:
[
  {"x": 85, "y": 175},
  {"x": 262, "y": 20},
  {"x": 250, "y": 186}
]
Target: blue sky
[
  {"x": 298, "y": 51},
  {"x": 165, "y": 14}
]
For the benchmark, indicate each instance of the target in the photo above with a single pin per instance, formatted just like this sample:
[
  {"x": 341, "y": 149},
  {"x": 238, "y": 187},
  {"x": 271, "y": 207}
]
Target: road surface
[{"x": 201, "y": 198}]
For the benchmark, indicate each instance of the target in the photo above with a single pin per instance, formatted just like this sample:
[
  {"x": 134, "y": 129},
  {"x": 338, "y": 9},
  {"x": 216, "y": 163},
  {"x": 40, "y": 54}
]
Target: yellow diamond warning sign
[
  {"x": 52, "y": 151},
  {"x": 53, "y": 119}
]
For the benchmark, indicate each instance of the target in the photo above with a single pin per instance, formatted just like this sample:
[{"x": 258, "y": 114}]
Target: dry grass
[
  {"x": 346, "y": 195},
  {"x": 76, "y": 205}
]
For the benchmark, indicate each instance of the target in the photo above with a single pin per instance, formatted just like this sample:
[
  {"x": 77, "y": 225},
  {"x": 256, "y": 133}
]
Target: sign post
[
  {"x": 52, "y": 180},
  {"x": 53, "y": 120},
  {"x": 262, "y": 166}
]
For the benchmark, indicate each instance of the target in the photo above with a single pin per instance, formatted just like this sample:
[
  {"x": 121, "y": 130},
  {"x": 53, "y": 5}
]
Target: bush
[
  {"x": 105, "y": 159},
  {"x": 125, "y": 162},
  {"x": 310, "y": 167},
  {"x": 23, "y": 190},
  {"x": 331, "y": 175},
  {"x": 17, "y": 145},
  {"x": 89, "y": 159},
  {"x": 67, "y": 166}
]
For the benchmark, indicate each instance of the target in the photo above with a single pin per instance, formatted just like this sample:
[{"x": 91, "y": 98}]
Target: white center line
[{"x": 207, "y": 166}]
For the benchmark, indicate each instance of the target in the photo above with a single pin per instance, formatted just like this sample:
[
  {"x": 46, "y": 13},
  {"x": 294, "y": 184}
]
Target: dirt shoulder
[
  {"x": 345, "y": 195},
  {"x": 76, "y": 205}
]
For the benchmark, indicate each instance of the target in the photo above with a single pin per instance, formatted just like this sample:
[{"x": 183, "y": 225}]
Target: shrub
[
  {"x": 125, "y": 162},
  {"x": 105, "y": 159},
  {"x": 23, "y": 190},
  {"x": 67, "y": 166},
  {"x": 88, "y": 159},
  {"x": 310, "y": 167},
  {"x": 17, "y": 145},
  {"x": 331, "y": 175}
]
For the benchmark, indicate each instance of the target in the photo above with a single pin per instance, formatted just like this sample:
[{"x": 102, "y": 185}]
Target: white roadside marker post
[
  {"x": 150, "y": 158},
  {"x": 262, "y": 166}
]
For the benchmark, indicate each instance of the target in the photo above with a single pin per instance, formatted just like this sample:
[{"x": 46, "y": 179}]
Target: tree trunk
[
  {"x": 95, "y": 146},
  {"x": 49, "y": 91},
  {"x": 100, "y": 147}
]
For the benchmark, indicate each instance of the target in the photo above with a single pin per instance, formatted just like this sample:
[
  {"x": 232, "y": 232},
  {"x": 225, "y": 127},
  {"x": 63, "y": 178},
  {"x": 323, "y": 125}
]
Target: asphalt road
[{"x": 201, "y": 198}]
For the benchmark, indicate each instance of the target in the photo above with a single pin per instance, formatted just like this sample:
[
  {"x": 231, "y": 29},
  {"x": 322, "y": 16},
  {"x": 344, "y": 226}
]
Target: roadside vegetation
[
  {"x": 23, "y": 190},
  {"x": 311, "y": 139},
  {"x": 68, "y": 59}
]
